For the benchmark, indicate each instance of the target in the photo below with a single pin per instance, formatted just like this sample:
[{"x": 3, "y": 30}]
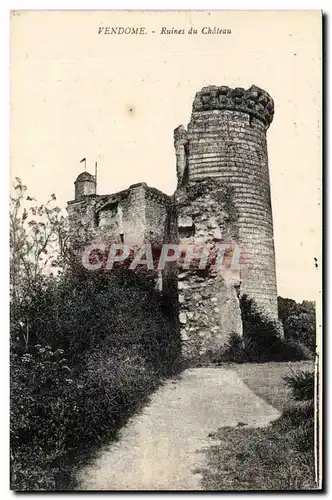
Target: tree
[
  {"x": 38, "y": 249},
  {"x": 284, "y": 307},
  {"x": 301, "y": 324}
]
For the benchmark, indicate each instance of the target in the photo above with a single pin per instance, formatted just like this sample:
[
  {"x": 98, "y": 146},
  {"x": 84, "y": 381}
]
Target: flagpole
[{"x": 84, "y": 159}]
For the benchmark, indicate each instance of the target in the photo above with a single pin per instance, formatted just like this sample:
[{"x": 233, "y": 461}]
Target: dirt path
[{"x": 161, "y": 448}]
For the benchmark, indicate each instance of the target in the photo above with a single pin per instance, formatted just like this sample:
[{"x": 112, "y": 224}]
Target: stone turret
[
  {"x": 85, "y": 184},
  {"x": 226, "y": 141}
]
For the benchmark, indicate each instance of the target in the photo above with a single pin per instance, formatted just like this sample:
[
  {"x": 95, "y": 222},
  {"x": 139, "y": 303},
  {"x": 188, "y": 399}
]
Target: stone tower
[
  {"x": 85, "y": 184},
  {"x": 222, "y": 200},
  {"x": 225, "y": 143}
]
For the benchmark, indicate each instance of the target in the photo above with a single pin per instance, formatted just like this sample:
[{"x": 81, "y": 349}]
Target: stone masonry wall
[
  {"x": 157, "y": 212},
  {"x": 135, "y": 216},
  {"x": 82, "y": 218},
  {"x": 138, "y": 214},
  {"x": 208, "y": 301}
]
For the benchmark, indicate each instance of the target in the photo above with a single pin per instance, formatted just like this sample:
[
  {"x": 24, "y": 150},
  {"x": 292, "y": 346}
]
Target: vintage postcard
[{"x": 165, "y": 250}]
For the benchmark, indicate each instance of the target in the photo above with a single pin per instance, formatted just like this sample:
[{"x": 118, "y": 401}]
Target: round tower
[
  {"x": 85, "y": 184},
  {"x": 226, "y": 140}
]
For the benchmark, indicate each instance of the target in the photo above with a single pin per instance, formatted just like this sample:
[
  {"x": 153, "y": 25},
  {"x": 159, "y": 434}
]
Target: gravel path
[{"x": 161, "y": 448}]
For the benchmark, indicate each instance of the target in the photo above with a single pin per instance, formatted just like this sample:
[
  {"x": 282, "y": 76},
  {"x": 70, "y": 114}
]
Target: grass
[
  {"x": 274, "y": 458},
  {"x": 266, "y": 380}
]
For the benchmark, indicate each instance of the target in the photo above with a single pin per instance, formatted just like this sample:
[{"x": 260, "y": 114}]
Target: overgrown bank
[
  {"x": 280, "y": 456},
  {"x": 98, "y": 345},
  {"x": 87, "y": 348}
]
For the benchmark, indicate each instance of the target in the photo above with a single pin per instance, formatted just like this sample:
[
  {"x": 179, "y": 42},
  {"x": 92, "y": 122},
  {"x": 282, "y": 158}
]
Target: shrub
[
  {"x": 84, "y": 309},
  {"x": 30, "y": 473},
  {"x": 57, "y": 410},
  {"x": 234, "y": 350},
  {"x": 280, "y": 456},
  {"x": 291, "y": 350},
  {"x": 299, "y": 321},
  {"x": 261, "y": 341},
  {"x": 112, "y": 386},
  {"x": 105, "y": 342},
  {"x": 41, "y": 382},
  {"x": 262, "y": 337},
  {"x": 86, "y": 347}
]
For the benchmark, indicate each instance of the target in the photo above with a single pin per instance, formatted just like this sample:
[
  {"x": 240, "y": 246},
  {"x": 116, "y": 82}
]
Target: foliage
[
  {"x": 57, "y": 409},
  {"x": 291, "y": 350},
  {"x": 38, "y": 246},
  {"x": 234, "y": 349},
  {"x": 284, "y": 308},
  {"x": 303, "y": 385},
  {"x": 212, "y": 189},
  {"x": 277, "y": 457},
  {"x": 87, "y": 348},
  {"x": 261, "y": 341},
  {"x": 299, "y": 321},
  {"x": 38, "y": 236},
  {"x": 86, "y": 309}
]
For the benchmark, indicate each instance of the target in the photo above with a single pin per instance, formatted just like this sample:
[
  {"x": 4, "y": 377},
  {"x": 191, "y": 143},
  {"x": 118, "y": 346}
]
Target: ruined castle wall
[
  {"x": 137, "y": 215},
  {"x": 108, "y": 222},
  {"x": 134, "y": 218},
  {"x": 120, "y": 217},
  {"x": 230, "y": 145},
  {"x": 160, "y": 229},
  {"x": 82, "y": 219},
  {"x": 208, "y": 301},
  {"x": 180, "y": 143},
  {"x": 209, "y": 314},
  {"x": 157, "y": 208}
]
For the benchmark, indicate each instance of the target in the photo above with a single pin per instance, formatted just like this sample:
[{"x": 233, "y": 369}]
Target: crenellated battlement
[{"x": 254, "y": 101}]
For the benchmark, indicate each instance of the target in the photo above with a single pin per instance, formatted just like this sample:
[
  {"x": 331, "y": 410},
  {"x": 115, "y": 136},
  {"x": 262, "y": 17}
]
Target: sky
[{"x": 116, "y": 99}]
